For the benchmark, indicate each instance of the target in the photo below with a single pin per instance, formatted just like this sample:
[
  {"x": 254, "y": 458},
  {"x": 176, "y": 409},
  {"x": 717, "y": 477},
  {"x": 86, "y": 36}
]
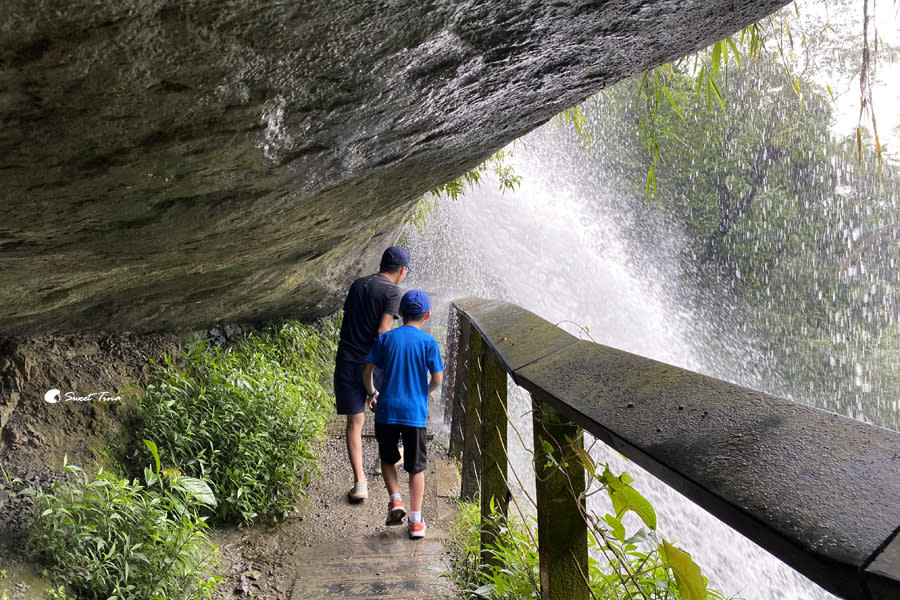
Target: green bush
[
  {"x": 106, "y": 537},
  {"x": 621, "y": 566},
  {"x": 246, "y": 418}
]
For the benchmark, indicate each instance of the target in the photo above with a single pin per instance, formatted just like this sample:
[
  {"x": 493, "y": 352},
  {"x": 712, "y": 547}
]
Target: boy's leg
[
  {"x": 415, "y": 461},
  {"x": 391, "y": 478},
  {"x": 416, "y": 491},
  {"x": 388, "y": 436}
]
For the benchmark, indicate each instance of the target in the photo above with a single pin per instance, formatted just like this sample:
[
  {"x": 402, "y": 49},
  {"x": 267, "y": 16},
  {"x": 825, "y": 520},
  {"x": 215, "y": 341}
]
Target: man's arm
[{"x": 387, "y": 321}]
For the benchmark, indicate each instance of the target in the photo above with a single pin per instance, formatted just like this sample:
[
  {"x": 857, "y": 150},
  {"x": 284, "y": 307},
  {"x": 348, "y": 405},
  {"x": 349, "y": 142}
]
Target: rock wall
[
  {"x": 55, "y": 390},
  {"x": 166, "y": 165}
]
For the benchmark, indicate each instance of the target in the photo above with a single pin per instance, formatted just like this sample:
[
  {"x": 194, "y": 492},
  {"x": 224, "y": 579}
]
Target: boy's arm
[
  {"x": 435, "y": 383},
  {"x": 369, "y": 382}
]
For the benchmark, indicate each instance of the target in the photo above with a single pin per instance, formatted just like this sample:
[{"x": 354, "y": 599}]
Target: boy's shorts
[
  {"x": 415, "y": 453},
  {"x": 349, "y": 389}
]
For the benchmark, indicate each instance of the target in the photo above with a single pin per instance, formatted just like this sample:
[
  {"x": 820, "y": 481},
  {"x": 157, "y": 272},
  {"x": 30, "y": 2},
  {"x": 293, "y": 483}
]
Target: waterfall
[{"x": 566, "y": 250}]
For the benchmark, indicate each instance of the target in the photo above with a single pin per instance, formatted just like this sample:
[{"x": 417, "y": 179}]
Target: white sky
[{"x": 847, "y": 18}]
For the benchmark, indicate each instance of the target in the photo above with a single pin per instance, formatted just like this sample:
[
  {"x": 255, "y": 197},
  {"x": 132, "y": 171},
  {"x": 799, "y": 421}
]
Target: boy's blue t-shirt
[{"x": 406, "y": 357}]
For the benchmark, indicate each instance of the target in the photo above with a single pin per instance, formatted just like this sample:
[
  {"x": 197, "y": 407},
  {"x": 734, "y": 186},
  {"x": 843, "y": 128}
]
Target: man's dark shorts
[
  {"x": 415, "y": 447},
  {"x": 349, "y": 391}
]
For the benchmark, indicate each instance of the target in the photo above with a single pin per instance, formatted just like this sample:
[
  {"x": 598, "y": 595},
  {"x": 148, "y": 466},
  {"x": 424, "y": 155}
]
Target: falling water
[{"x": 565, "y": 249}]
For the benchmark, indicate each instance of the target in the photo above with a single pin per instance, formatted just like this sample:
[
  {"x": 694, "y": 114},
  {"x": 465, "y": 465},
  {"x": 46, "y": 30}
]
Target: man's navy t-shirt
[{"x": 369, "y": 297}]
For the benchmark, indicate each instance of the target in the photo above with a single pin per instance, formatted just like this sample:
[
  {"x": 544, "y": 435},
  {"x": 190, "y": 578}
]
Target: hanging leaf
[
  {"x": 616, "y": 527},
  {"x": 673, "y": 104},
  {"x": 691, "y": 583},
  {"x": 734, "y": 50},
  {"x": 716, "y": 57},
  {"x": 627, "y": 498}
]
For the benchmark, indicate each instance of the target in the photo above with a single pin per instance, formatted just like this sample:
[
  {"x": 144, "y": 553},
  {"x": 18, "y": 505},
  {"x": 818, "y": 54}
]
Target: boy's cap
[
  {"x": 415, "y": 302},
  {"x": 395, "y": 256}
]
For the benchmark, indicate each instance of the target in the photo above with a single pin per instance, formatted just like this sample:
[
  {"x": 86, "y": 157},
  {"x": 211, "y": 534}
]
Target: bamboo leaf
[
  {"x": 151, "y": 446},
  {"x": 735, "y": 51},
  {"x": 715, "y": 88},
  {"x": 673, "y": 104},
  {"x": 716, "y": 57}
]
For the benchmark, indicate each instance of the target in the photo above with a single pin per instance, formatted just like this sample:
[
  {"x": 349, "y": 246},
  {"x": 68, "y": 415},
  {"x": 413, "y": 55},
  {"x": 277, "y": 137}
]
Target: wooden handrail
[{"x": 818, "y": 490}]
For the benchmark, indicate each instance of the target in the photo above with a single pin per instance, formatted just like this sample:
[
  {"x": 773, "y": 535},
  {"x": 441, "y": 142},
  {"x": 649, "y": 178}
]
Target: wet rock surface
[{"x": 168, "y": 165}]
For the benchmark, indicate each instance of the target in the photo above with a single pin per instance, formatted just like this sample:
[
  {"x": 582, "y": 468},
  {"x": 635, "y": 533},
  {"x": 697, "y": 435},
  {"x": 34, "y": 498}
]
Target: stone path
[{"x": 335, "y": 549}]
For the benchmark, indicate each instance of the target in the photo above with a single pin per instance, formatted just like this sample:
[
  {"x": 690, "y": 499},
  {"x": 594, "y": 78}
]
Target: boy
[{"x": 411, "y": 366}]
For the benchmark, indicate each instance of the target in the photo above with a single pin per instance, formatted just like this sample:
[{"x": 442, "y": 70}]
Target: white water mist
[{"x": 558, "y": 250}]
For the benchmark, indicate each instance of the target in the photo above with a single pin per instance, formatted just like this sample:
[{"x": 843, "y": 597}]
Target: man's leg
[
  {"x": 354, "y": 445},
  {"x": 349, "y": 394}
]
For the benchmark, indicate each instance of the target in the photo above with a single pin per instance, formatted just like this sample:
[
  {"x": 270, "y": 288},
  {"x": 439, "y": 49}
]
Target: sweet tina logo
[{"x": 53, "y": 396}]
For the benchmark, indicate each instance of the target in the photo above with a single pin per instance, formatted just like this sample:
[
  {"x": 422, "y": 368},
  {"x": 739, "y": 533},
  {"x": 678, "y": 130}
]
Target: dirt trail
[{"x": 332, "y": 548}]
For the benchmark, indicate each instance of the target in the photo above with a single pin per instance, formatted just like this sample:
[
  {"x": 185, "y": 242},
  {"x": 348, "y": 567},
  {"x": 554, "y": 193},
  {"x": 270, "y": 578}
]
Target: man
[{"x": 371, "y": 306}]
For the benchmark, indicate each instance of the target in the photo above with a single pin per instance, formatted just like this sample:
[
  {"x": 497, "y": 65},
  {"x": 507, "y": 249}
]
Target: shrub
[
  {"x": 106, "y": 537},
  {"x": 620, "y": 566},
  {"x": 246, "y": 418}
]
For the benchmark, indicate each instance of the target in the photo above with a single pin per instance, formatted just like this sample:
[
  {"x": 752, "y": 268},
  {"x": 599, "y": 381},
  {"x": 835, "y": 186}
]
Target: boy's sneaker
[
  {"x": 417, "y": 530},
  {"x": 396, "y": 512},
  {"x": 359, "y": 491}
]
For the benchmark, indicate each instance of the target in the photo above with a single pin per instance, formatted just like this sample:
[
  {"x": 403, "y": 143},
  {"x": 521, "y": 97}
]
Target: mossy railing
[{"x": 818, "y": 490}]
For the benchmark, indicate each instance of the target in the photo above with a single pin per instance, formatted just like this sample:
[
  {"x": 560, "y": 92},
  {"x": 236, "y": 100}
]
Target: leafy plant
[
  {"x": 639, "y": 565},
  {"x": 106, "y": 537},
  {"x": 246, "y": 418}
]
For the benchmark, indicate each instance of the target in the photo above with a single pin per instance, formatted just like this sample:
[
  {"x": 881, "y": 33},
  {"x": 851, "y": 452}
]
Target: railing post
[
  {"x": 459, "y": 391},
  {"x": 562, "y": 531},
  {"x": 494, "y": 484},
  {"x": 472, "y": 445}
]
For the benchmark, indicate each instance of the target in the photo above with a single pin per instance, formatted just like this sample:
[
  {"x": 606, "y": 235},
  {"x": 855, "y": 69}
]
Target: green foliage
[
  {"x": 52, "y": 593},
  {"x": 785, "y": 233},
  {"x": 498, "y": 164},
  {"x": 640, "y": 565},
  {"x": 246, "y": 418},
  {"x": 575, "y": 118},
  {"x": 106, "y": 537},
  {"x": 511, "y": 574}
]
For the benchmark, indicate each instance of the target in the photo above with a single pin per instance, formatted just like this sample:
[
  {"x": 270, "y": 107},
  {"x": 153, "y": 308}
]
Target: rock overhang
[{"x": 168, "y": 165}]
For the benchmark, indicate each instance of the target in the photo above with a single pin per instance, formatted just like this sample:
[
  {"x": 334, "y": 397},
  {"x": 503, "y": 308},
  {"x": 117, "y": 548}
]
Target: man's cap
[
  {"x": 415, "y": 302},
  {"x": 395, "y": 256}
]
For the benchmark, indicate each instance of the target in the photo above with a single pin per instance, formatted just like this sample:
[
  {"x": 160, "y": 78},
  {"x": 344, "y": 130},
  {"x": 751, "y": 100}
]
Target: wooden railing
[{"x": 818, "y": 490}]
